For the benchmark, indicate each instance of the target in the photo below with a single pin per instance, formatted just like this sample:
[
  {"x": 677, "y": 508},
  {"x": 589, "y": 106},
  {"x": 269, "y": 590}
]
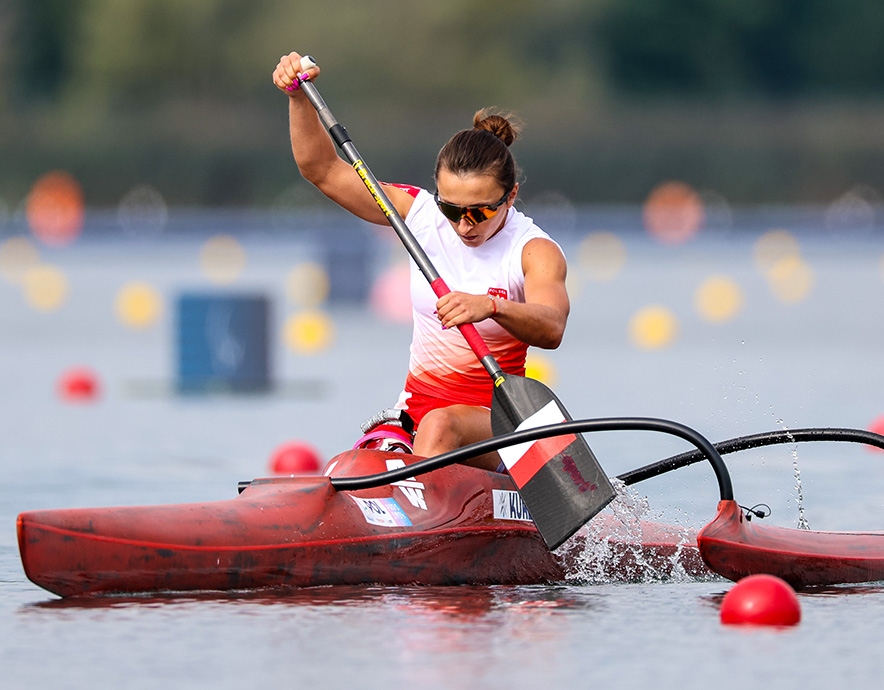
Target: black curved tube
[
  {"x": 768, "y": 438},
  {"x": 703, "y": 445}
]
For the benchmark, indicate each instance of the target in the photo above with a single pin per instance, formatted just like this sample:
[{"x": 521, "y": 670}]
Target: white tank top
[{"x": 442, "y": 363}]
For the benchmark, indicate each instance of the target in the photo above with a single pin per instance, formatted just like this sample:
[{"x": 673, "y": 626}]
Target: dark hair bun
[{"x": 501, "y": 125}]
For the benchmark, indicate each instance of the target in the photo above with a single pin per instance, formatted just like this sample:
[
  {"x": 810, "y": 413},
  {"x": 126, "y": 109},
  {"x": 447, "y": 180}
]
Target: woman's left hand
[{"x": 457, "y": 308}]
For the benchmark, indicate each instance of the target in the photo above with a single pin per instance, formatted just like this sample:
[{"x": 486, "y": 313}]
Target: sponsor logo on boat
[
  {"x": 508, "y": 505},
  {"x": 410, "y": 487},
  {"x": 573, "y": 471},
  {"x": 384, "y": 512}
]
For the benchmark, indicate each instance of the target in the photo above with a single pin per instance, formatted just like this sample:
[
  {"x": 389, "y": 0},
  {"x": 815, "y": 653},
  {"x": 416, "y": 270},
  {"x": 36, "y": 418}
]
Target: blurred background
[
  {"x": 714, "y": 170},
  {"x": 764, "y": 101}
]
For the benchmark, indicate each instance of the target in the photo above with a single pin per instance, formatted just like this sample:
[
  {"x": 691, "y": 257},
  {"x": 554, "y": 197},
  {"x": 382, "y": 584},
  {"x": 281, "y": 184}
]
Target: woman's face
[{"x": 474, "y": 190}]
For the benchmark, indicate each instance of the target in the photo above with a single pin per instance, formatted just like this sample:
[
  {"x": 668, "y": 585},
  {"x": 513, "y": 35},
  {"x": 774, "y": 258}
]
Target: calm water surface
[{"x": 812, "y": 362}]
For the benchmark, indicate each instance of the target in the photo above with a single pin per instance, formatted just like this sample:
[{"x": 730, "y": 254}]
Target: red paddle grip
[{"x": 468, "y": 330}]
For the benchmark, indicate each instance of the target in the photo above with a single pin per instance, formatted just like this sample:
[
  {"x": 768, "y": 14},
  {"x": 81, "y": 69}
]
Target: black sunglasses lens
[{"x": 451, "y": 212}]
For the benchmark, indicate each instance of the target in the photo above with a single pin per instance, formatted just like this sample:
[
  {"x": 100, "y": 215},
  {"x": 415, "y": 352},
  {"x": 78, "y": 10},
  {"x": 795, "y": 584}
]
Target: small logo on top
[{"x": 500, "y": 293}]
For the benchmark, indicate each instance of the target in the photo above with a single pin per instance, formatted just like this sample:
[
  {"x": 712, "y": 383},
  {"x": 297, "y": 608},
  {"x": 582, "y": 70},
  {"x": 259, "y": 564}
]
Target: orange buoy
[
  {"x": 78, "y": 384},
  {"x": 674, "y": 212},
  {"x": 295, "y": 457},
  {"x": 761, "y": 600},
  {"x": 55, "y": 209}
]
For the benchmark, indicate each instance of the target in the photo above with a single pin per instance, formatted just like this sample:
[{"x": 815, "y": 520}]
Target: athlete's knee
[
  {"x": 437, "y": 423},
  {"x": 437, "y": 431}
]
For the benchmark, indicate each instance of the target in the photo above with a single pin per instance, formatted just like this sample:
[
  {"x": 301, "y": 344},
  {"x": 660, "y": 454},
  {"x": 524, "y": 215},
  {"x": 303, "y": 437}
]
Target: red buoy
[
  {"x": 295, "y": 457},
  {"x": 761, "y": 600},
  {"x": 78, "y": 385}
]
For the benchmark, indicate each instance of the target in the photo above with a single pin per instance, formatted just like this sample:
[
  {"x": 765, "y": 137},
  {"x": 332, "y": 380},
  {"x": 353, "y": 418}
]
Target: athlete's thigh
[{"x": 472, "y": 423}]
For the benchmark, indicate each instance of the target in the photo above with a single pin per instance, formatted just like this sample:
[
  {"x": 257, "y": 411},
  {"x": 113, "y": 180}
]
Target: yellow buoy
[
  {"x": 540, "y": 368},
  {"x": 138, "y": 305},
  {"x": 308, "y": 332},
  {"x": 45, "y": 287},
  {"x": 718, "y": 299},
  {"x": 653, "y": 327},
  {"x": 791, "y": 279}
]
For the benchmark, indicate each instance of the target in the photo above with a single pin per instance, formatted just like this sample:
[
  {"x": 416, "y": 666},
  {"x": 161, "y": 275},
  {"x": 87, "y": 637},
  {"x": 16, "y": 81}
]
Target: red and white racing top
[{"x": 443, "y": 370}]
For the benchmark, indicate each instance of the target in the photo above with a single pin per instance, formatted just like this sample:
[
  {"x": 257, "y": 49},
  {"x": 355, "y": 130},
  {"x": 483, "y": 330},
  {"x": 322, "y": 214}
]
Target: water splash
[
  {"x": 802, "y": 520},
  {"x": 621, "y": 545},
  {"x": 796, "y": 472}
]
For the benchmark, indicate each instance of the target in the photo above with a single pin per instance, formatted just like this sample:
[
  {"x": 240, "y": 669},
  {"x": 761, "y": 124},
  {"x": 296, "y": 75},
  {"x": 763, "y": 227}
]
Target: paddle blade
[{"x": 559, "y": 478}]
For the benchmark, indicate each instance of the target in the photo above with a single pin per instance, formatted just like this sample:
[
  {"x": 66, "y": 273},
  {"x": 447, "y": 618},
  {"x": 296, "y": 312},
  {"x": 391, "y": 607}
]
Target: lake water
[{"x": 801, "y": 347}]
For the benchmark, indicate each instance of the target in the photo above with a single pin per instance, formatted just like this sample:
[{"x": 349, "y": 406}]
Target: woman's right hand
[
  {"x": 287, "y": 70},
  {"x": 315, "y": 154}
]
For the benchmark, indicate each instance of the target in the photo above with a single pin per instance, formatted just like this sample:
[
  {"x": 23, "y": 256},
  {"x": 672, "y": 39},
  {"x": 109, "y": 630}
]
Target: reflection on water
[
  {"x": 416, "y": 622},
  {"x": 844, "y": 590},
  {"x": 462, "y": 602}
]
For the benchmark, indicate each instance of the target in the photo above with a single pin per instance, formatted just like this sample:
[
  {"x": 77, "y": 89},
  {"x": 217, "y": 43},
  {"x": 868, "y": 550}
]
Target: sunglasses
[{"x": 473, "y": 214}]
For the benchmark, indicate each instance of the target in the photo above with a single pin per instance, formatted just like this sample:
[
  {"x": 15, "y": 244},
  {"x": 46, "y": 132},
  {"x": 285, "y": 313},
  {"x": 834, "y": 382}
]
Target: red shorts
[{"x": 417, "y": 405}]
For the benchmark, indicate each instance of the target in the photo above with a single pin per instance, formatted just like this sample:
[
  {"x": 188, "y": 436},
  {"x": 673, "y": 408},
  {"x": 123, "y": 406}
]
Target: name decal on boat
[
  {"x": 413, "y": 489},
  {"x": 384, "y": 512},
  {"x": 508, "y": 505}
]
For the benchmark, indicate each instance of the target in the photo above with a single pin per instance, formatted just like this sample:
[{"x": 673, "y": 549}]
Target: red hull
[
  {"x": 299, "y": 531},
  {"x": 735, "y": 547}
]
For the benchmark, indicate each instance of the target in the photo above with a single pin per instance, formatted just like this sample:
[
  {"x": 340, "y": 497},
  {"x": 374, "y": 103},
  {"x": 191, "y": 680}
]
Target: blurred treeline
[{"x": 759, "y": 100}]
